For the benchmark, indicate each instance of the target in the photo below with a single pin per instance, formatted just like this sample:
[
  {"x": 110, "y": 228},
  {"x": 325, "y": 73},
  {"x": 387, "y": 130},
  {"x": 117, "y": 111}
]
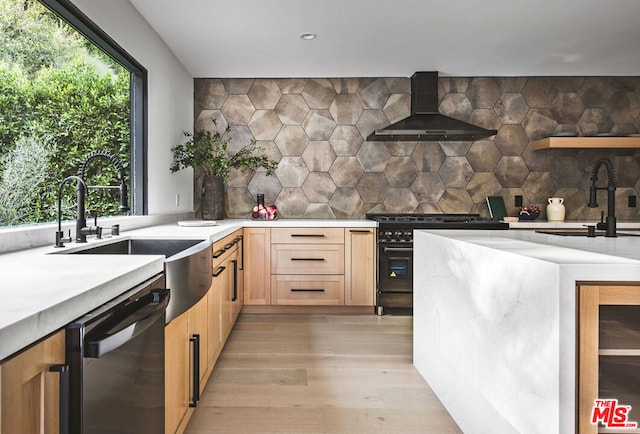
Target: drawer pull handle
[
  {"x": 195, "y": 340},
  {"x": 359, "y": 231},
  {"x": 307, "y": 290},
  {"x": 307, "y": 259},
  {"x": 308, "y": 235},
  {"x": 219, "y": 253},
  {"x": 218, "y": 271},
  {"x": 228, "y": 246}
]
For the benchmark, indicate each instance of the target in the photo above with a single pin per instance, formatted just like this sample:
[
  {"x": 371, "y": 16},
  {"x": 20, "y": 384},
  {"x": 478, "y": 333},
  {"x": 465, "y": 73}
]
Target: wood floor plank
[
  {"x": 319, "y": 374},
  {"x": 324, "y": 420},
  {"x": 314, "y": 360}
]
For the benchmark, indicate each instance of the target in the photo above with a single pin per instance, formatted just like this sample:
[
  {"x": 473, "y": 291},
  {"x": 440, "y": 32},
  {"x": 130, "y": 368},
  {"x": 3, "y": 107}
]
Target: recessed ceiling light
[{"x": 308, "y": 36}]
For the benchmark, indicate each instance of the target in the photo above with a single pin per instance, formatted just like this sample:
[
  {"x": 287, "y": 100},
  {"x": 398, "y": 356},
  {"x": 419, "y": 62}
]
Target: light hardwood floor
[{"x": 319, "y": 374}]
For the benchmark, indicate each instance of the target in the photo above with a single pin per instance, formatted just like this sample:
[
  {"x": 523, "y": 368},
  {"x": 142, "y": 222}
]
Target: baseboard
[{"x": 309, "y": 310}]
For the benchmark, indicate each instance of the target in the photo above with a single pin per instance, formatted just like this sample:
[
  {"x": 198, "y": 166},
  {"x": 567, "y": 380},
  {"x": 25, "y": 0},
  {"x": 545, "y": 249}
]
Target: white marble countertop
[
  {"x": 553, "y": 248},
  {"x": 42, "y": 289},
  {"x": 495, "y": 322}
]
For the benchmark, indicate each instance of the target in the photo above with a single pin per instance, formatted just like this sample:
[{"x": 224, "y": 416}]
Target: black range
[{"x": 395, "y": 252}]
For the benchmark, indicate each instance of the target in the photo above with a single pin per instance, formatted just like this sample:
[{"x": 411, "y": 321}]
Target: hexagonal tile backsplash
[{"x": 316, "y": 129}]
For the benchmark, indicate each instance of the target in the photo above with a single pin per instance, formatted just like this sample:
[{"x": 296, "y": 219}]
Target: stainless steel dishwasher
[{"x": 116, "y": 364}]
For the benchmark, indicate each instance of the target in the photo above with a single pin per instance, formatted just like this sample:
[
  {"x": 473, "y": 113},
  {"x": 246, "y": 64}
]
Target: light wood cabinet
[
  {"x": 310, "y": 266},
  {"x": 30, "y": 388},
  {"x": 307, "y": 259},
  {"x": 215, "y": 332},
  {"x": 226, "y": 276},
  {"x": 199, "y": 334},
  {"x": 194, "y": 340},
  {"x": 608, "y": 349},
  {"x": 307, "y": 236},
  {"x": 222, "y": 279},
  {"x": 307, "y": 289},
  {"x": 360, "y": 266},
  {"x": 187, "y": 366},
  {"x": 307, "y": 266},
  {"x": 257, "y": 263},
  {"x": 177, "y": 369}
]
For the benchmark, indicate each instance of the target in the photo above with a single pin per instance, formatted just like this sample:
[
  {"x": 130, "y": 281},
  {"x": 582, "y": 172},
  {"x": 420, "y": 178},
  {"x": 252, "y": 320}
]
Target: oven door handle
[
  {"x": 134, "y": 320},
  {"x": 397, "y": 249}
]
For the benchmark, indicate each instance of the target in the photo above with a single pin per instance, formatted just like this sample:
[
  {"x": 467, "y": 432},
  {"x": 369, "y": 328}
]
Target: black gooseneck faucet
[
  {"x": 60, "y": 239},
  {"x": 610, "y": 224},
  {"x": 82, "y": 230}
]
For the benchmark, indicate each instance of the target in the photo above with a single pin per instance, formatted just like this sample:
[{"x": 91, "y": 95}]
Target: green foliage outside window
[{"x": 60, "y": 99}]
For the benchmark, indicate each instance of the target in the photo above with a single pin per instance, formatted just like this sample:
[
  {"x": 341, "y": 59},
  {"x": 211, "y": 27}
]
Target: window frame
[{"x": 138, "y": 95}]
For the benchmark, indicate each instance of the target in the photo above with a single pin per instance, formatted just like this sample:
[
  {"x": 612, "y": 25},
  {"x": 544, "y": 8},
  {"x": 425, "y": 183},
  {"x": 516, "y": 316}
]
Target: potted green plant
[{"x": 208, "y": 152}]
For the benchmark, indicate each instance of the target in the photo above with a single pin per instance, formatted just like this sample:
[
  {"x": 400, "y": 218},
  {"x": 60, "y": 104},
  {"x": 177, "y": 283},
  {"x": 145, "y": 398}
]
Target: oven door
[{"x": 395, "y": 277}]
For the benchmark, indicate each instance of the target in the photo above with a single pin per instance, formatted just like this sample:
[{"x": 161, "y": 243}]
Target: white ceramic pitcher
[{"x": 555, "y": 209}]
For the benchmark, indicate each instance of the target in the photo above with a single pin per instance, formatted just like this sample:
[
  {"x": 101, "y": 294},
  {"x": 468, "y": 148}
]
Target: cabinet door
[
  {"x": 199, "y": 326},
  {"x": 608, "y": 349},
  {"x": 30, "y": 391},
  {"x": 221, "y": 279},
  {"x": 177, "y": 368},
  {"x": 257, "y": 266},
  {"x": 215, "y": 327},
  {"x": 360, "y": 267}
]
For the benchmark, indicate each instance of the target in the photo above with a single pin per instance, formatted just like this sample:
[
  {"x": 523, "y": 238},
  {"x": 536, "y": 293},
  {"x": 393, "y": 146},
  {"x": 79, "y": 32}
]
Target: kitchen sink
[
  {"x": 187, "y": 266},
  {"x": 166, "y": 247},
  {"x": 584, "y": 233}
]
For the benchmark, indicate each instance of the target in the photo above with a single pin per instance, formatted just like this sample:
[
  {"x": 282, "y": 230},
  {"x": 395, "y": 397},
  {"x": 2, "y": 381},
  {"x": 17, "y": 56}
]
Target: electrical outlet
[
  {"x": 518, "y": 201},
  {"x": 632, "y": 201},
  {"x": 177, "y": 199}
]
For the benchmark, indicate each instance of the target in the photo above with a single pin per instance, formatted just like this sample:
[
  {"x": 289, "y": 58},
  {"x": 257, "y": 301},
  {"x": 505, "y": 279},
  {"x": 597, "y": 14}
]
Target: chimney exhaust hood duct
[{"x": 425, "y": 122}]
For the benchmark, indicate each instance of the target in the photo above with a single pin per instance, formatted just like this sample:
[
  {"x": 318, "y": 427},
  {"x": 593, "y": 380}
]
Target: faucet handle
[
  {"x": 94, "y": 215},
  {"x": 601, "y": 225},
  {"x": 95, "y": 229},
  {"x": 60, "y": 239}
]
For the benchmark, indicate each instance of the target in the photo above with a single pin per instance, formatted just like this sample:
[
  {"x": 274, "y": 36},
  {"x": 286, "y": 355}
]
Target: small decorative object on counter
[
  {"x": 528, "y": 213},
  {"x": 555, "y": 209},
  {"x": 263, "y": 212}
]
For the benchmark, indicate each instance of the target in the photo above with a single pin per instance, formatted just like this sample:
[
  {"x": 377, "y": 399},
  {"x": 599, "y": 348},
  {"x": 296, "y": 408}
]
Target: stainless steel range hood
[{"x": 425, "y": 122}]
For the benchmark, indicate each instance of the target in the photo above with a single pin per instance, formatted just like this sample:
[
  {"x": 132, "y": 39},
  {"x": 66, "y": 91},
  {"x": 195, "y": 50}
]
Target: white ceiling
[{"x": 376, "y": 38}]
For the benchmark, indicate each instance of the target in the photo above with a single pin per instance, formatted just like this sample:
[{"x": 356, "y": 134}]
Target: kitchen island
[{"x": 495, "y": 322}]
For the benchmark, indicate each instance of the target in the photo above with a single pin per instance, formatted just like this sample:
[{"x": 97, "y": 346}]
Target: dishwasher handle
[
  {"x": 125, "y": 324},
  {"x": 63, "y": 389}
]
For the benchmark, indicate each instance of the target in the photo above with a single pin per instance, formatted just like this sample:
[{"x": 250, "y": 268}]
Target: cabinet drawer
[
  {"x": 307, "y": 259},
  {"x": 307, "y": 235},
  {"x": 224, "y": 247},
  {"x": 307, "y": 290}
]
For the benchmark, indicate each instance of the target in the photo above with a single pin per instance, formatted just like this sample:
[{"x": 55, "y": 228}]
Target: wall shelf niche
[{"x": 586, "y": 143}]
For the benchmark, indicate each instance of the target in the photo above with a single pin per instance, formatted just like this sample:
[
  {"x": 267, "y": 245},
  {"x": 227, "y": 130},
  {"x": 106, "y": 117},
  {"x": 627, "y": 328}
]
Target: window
[{"x": 66, "y": 90}]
